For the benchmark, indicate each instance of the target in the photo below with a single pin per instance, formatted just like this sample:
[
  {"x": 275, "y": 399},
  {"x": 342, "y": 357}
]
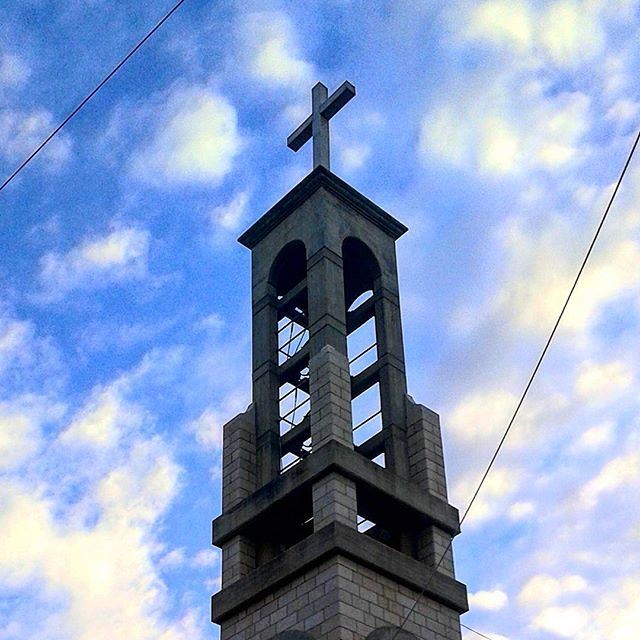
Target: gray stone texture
[
  {"x": 334, "y": 500},
  {"x": 341, "y": 600},
  {"x": 294, "y": 565},
  {"x": 330, "y": 385},
  {"x": 238, "y": 459}
]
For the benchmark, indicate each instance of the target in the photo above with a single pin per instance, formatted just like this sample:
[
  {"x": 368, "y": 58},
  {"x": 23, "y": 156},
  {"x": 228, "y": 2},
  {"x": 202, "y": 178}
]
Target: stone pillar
[
  {"x": 393, "y": 383},
  {"x": 334, "y": 500},
  {"x": 238, "y": 483},
  {"x": 238, "y": 559},
  {"x": 432, "y": 544},
  {"x": 426, "y": 469},
  {"x": 330, "y": 386},
  {"x": 327, "y": 315},
  {"x": 334, "y": 496},
  {"x": 265, "y": 382},
  {"x": 426, "y": 458},
  {"x": 238, "y": 459}
]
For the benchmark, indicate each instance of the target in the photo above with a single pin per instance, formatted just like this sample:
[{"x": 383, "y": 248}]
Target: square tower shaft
[{"x": 335, "y": 510}]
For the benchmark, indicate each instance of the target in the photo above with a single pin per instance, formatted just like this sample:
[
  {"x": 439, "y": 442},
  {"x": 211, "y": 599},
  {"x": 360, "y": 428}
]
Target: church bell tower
[{"x": 334, "y": 500}]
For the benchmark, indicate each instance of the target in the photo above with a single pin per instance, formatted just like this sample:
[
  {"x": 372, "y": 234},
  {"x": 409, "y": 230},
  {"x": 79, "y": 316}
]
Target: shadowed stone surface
[
  {"x": 293, "y": 635},
  {"x": 391, "y": 633}
]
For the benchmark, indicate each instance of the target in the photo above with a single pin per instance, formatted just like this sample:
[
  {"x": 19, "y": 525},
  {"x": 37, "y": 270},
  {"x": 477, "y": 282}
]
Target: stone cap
[
  {"x": 320, "y": 177},
  {"x": 337, "y": 540},
  {"x": 335, "y": 457}
]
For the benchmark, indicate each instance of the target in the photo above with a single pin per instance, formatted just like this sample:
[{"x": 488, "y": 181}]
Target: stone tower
[{"x": 334, "y": 505}]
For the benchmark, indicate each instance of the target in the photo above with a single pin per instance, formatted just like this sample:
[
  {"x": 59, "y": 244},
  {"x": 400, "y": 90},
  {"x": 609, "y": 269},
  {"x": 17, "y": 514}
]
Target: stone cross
[{"x": 316, "y": 126}]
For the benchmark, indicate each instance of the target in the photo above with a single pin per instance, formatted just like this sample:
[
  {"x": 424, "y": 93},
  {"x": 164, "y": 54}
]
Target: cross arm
[
  {"x": 300, "y": 135},
  {"x": 337, "y": 100}
]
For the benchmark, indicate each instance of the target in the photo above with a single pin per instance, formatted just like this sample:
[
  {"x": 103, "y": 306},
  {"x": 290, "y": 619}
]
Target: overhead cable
[
  {"x": 90, "y": 95},
  {"x": 585, "y": 260}
]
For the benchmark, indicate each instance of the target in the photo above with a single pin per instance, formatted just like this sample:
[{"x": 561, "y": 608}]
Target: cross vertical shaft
[{"x": 319, "y": 127}]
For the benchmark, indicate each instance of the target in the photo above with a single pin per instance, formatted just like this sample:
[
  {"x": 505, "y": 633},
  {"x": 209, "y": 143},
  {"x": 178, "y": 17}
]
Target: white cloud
[
  {"x": 500, "y": 484},
  {"x": 174, "y": 558},
  {"x": 541, "y": 261},
  {"x": 207, "y": 558},
  {"x": 521, "y": 510},
  {"x": 595, "y": 438},
  {"x": 470, "y": 635},
  {"x": 103, "y": 420},
  {"x": 22, "y": 131},
  {"x": 623, "y": 110},
  {"x": 96, "y": 580},
  {"x": 565, "y": 33},
  {"x": 207, "y": 429},
  {"x": 354, "y": 156},
  {"x": 623, "y": 471},
  {"x": 566, "y": 622},
  {"x": 13, "y": 70},
  {"x": 95, "y": 262},
  {"x": 21, "y": 421},
  {"x": 515, "y": 127},
  {"x": 273, "y": 51},
  {"x": 570, "y": 33},
  {"x": 543, "y": 589},
  {"x": 142, "y": 488},
  {"x": 231, "y": 215},
  {"x": 481, "y": 415},
  {"x": 479, "y": 418},
  {"x": 599, "y": 381},
  {"x": 618, "y": 613},
  {"x": 493, "y": 600},
  {"x": 93, "y": 564},
  {"x": 502, "y": 22},
  {"x": 16, "y": 337},
  {"x": 196, "y": 140}
]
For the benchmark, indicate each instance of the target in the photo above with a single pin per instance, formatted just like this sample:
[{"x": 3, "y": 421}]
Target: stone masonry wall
[
  {"x": 424, "y": 444},
  {"x": 330, "y": 385},
  {"x": 341, "y": 600},
  {"x": 238, "y": 459}
]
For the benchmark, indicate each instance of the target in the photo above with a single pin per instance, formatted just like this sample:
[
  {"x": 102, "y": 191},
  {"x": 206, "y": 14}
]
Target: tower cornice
[{"x": 321, "y": 177}]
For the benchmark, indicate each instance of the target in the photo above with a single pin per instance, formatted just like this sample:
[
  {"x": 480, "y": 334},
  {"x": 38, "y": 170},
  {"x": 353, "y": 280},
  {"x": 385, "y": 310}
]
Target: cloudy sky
[{"x": 493, "y": 129}]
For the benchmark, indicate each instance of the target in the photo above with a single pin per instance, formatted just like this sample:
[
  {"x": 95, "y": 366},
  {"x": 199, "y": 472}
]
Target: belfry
[{"x": 335, "y": 521}]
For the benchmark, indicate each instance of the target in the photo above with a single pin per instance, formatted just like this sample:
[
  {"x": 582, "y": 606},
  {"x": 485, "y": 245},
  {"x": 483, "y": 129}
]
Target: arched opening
[
  {"x": 289, "y": 268},
  {"x": 361, "y": 271},
  {"x": 288, "y": 276}
]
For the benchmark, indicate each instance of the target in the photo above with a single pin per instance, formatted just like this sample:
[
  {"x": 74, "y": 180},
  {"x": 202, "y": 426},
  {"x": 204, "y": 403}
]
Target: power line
[
  {"x": 464, "y": 626},
  {"x": 605, "y": 215},
  {"x": 86, "y": 99}
]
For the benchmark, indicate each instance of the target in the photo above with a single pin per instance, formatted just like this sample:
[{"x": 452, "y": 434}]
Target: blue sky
[{"x": 493, "y": 129}]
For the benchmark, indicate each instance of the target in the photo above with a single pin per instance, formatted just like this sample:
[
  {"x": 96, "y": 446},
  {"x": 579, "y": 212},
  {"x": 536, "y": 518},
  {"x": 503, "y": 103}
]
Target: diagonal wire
[
  {"x": 596, "y": 235},
  {"x": 88, "y": 97},
  {"x": 482, "y": 635}
]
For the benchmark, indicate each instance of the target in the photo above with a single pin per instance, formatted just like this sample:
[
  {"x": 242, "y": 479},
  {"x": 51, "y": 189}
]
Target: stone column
[
  {"x": 330, "y": 387},
  {"x": 265, "y": 382},
  {"x": 334, "y": 500},
  {"x": 238, "y": 483},
  {"x": 426, "y": 458},
  {"x": 327, "y": 315},
  {"x": 393, "y": 383}
]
